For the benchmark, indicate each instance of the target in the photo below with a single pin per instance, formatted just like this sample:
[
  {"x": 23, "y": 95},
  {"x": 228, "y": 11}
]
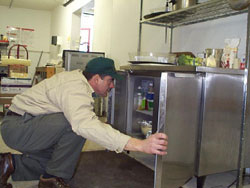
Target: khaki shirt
[{"x": 70, "y": 93}]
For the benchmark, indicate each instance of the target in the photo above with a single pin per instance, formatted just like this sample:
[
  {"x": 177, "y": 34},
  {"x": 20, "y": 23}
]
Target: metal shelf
[
  {"x": 210, "y": 10},
  {"x": 147, "y": 112}
]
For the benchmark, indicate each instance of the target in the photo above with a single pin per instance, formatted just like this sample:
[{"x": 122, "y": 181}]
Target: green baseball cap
[{"x": 102, "y": 65}]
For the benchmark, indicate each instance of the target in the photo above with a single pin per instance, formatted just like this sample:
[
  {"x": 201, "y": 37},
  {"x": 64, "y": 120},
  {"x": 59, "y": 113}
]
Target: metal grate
[{"x": 210, "y": 10}]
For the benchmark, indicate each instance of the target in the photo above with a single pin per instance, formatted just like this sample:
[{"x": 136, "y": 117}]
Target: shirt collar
[
  {"x": 94, "y": 95},
  {"x": 89, "y": 87}
]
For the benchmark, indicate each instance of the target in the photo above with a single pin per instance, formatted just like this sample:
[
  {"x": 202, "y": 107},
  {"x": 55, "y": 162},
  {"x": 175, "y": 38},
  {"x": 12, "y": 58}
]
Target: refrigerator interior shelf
[
  {"x": 150, "y": 113},
  {"x": 138, "y": 135}
]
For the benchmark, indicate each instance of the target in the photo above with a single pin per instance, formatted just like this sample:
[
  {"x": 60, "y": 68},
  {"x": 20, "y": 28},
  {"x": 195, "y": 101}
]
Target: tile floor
[{"x": 222, "y": 180}]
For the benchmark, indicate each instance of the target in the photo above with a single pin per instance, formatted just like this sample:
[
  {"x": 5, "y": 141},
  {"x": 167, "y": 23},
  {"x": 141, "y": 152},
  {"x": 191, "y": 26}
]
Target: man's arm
[{"x": 154, "y": 144}]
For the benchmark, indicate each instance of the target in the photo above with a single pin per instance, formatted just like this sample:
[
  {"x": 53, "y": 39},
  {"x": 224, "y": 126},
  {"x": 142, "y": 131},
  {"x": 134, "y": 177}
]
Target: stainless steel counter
[{"x": 174, "y": 68}]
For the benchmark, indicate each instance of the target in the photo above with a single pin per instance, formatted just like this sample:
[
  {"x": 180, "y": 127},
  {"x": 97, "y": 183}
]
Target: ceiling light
[{"x": 67, "y": 3}]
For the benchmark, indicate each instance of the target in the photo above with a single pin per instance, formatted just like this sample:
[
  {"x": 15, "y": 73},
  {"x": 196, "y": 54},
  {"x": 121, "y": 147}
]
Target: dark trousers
[{"x": 47, "y": 144}]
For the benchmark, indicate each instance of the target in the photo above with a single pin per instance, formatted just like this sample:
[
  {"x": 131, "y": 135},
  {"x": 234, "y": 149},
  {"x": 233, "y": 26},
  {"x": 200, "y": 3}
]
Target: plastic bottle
[
  {"x": 138, "y": 98},
  {"x": 150, "y": 97},
  {"x": 150, "y": 87},
  {"x": 139, "y": 101},
  {"x": 242, "y": 63},
  {"x": 144, "y": 103}
]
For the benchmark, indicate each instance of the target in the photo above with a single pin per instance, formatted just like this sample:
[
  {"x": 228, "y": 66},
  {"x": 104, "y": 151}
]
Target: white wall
[
  {"x": 196, "y": 38},
  {"x": 124, "y": 33},
  {"x": 66, "y": 24},
  {"x": 117, "y": 25},
  {"x": 61, "y": 26},
  {"x": 116, "y": 28},
  {"x": 34, "y": 19},
  {"x": 102, "y": 26},
  {"x": 75, "y": 31}
]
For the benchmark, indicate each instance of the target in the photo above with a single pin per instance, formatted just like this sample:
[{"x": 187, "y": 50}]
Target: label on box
[
  {"x": 16, "y": 81},
  {"x": 13, "y": 89}
]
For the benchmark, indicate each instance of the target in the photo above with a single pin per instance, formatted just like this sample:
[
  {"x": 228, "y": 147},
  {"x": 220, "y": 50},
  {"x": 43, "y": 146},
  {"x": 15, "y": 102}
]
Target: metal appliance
[
  {"x": 73, "y": 59},
  {"x": 199, "y": 108}
]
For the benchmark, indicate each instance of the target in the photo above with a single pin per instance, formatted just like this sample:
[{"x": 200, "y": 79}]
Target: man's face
[{"x": 104, "y": 85}]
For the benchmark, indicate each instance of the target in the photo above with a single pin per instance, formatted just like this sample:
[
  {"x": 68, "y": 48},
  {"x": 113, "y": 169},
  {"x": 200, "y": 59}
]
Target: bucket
[{"x": 180, "y": 4}]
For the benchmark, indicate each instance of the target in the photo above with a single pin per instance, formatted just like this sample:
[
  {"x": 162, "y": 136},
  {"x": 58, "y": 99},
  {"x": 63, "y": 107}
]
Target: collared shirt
[{"x": 70, "y": 93}]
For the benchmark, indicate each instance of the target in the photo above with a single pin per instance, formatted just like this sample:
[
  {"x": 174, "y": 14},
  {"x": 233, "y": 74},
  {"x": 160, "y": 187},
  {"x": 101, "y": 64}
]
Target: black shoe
[
  {"x": 52, "y": 183},
  {"x": 6, "y": 169}
]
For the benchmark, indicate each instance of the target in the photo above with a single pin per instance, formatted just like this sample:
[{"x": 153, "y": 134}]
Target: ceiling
[{"x": 33, "y": 4}]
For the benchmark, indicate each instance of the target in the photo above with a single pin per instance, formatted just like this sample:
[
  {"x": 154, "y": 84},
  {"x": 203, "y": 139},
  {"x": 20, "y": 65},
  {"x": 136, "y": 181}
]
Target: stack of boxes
[{"x": 17, "y": 80}]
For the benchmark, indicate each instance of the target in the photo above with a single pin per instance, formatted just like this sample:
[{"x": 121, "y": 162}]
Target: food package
[
  {"x": 230, "y": 52},
  {"x": 188, "y": 60},
  {"x": 211, "y": 61}
]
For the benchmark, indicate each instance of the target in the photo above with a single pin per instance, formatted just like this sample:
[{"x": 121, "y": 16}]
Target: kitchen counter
[{"x": 174, "y": 68}]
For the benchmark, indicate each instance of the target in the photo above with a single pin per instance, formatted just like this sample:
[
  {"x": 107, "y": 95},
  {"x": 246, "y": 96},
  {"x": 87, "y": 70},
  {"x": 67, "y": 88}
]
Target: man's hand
[{"x": 154, "y": 144}]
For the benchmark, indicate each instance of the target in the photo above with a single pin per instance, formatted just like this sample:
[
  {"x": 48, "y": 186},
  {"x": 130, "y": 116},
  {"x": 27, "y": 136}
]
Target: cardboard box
[
  {"x": 15, "y": 85},
  {"x": 17, "y": 71},
  {"x": 13, "y": 90}
]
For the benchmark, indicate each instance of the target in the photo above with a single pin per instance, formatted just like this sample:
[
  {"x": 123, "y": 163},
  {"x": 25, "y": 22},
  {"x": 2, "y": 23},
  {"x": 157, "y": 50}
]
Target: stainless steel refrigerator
[
  {"x": 73, "y": 59},
  {"x": 200, "y": 111}
]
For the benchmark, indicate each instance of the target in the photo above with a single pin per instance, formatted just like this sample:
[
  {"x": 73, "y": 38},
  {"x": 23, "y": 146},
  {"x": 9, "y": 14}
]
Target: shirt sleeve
[{"x": 77, "y": 105}]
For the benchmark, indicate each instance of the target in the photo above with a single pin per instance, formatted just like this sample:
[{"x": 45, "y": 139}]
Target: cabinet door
[
  {"x": 179, "y": 104},
  {"x": 221, "y": 123}
]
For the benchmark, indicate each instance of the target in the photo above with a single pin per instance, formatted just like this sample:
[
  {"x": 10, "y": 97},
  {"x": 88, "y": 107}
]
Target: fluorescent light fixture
[
  {"x": 67, "y": 3},
  {"x": 11, "y": 3}
]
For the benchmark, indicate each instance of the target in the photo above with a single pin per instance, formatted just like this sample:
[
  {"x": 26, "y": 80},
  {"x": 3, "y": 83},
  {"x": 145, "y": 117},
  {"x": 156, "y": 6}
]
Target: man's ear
[{"x": 96, "y": 78}]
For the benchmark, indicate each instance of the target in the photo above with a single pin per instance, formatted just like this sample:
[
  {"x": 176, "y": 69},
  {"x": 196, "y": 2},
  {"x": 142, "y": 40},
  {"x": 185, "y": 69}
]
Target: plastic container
[
  {"x": 150, "y": 97},
  {"x": 146, "y": 127},
  {"x": 150, "y": 57},
  {"x": 138, "y": 98}
]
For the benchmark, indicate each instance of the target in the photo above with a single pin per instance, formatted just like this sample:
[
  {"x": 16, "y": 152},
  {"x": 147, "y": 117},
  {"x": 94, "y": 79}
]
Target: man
[{"x": 50, "y": 122}]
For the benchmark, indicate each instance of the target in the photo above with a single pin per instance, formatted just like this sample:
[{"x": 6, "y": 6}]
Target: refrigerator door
[
  {"x": 221, "y": 123},
  {"x": 127, "y": 117},
  {"x": 118, "y": 110},
  {"x": 179, "y": 104}
]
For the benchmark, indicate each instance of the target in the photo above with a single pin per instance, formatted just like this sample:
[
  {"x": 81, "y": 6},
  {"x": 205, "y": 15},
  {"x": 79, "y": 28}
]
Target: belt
[{"x": 10, "y": 113}]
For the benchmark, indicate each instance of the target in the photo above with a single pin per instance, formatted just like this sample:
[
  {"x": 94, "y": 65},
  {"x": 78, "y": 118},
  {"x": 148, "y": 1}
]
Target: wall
[
  {"x": 66, "y": 24},
  {"x": 124, "y": 29},
  {"x": 34, "y": 19},
  {"x": 196, "y": 38},
  {"x": 61, "y": 22},
  {"x": 102, "y": 26},
  {"x": 117, "y": 30},
  {"x": 75, "y": 31}
]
